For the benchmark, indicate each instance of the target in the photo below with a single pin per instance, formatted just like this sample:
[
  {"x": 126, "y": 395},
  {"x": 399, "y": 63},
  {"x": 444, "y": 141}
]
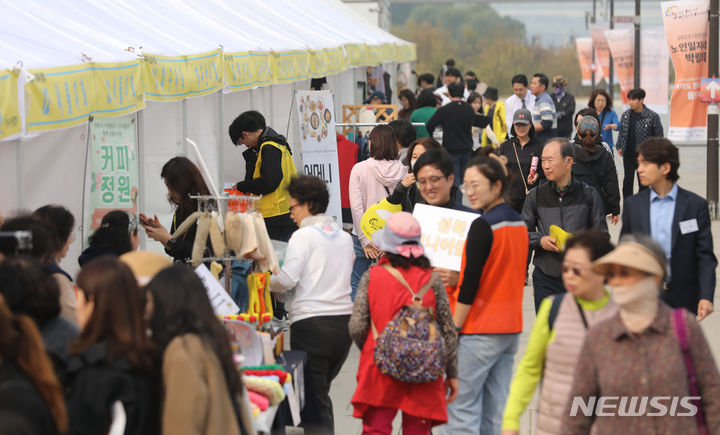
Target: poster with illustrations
[{"x": 316, "y": 116}]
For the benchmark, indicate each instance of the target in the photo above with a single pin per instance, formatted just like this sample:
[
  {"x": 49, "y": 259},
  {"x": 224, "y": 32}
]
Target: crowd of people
[{"x": 135, "y": 334}]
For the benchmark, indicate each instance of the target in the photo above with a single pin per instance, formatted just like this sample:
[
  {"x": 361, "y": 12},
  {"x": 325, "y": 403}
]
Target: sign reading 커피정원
[{"x": 111, "y": 180}]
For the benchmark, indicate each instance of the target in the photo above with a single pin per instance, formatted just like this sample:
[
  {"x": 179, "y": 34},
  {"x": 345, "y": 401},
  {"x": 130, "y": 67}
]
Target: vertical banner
[
  {"x": 622, "y": 47},
  {"x": 585, "y": 55},
  {"x": 316, "y": 116},
  {"x": 597, "y": 33},
  {"x": 686, "y": 27},
  {"x": 654, "y": 68},
  {"x": 111, "y": 177}
]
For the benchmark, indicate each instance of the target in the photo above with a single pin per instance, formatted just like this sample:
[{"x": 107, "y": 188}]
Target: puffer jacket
[
  {"x": 648, "y": 126},
  {"x": 579, "y": 208},
  {"x": 597, "y": 170}
]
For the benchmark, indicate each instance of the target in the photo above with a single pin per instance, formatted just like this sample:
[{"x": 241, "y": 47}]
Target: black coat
[
  {"x": 22, "y": 409},
  {"x": 565, "y": 109},
  {"x": 95, "y": 383},
  {"x": 597, "y": 169},
  {"x": 692, "y": 262}
]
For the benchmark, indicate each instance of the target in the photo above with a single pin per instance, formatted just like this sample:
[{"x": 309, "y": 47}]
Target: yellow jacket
[
  {"x": 498, "y": 124},
  {"x": 276, "y": 203}
]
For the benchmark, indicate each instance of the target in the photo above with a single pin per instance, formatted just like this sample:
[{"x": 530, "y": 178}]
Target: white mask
[{"x": 412, "y": 163}]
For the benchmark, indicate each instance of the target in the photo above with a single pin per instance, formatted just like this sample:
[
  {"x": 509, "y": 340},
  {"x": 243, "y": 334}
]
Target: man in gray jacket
[{"x": 563, "y": 201}]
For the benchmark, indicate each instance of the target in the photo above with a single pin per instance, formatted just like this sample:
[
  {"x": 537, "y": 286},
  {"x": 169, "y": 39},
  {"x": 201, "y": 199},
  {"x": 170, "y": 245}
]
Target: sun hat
[
  {"x": 630, "y": 254},
  {"x": 588, "y": 123},
  {"x": 401, "y": 235},
  {"x": 145, "y": 264}
]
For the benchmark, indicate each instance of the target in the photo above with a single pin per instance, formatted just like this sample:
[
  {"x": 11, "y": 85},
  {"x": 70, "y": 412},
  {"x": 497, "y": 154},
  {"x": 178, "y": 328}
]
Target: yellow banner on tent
[
  {"x": 289, "y": 66},
  {"x": 9, "y": 111},
  {"x": 67, "y": 96},
  {"x": 171, "y": 78},
  {"x": 248, "y": 70},
  {"x": 373, "y": 55},
  {"x": 356, "y": 54},
  {"x": 328, "y": 61},
  {"x": 387, "y": 52},
  {"x": 405, "y": 53}
]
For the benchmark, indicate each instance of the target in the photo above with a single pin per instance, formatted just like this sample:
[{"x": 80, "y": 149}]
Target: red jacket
[
  {"x": 347, "y": 157},
  {"x": 386, "y": 295}
]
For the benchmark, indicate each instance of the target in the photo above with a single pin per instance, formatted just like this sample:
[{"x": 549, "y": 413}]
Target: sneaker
[{"x": 279, "y": 324}]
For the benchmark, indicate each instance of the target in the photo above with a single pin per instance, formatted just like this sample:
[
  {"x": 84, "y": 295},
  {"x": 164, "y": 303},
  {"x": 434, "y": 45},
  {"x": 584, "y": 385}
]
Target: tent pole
[
  {"x": 272, "y": 105},
  {"x": 19, "y": 174},
  {"x": 140, "y": 132},
  {"x": 184, "y": 127},
  {"x": 220, "y": 126}
]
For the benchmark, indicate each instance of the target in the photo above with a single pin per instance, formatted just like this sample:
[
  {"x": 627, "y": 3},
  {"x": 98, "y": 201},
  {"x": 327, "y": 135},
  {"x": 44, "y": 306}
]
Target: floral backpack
[{"x": 410, "y": 348}]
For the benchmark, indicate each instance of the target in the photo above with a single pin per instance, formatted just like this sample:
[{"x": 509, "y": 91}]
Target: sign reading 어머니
[
  {"x": 316, "y": 116},
  {"x": 444, "y": 232},
  {"x": 111, "y": 178}
]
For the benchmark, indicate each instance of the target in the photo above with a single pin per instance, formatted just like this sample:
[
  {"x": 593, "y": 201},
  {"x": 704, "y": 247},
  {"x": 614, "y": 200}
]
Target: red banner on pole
[
  {"x": 622, "y": 46},
  {"x": 597, "y": 33},
  {"x": 686, "y": 27},
  {"x": 585, "y": 55}
]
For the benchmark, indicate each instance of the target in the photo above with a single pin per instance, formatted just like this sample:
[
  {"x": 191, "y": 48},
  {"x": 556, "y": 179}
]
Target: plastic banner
[
  {"x": 597, "y": 33},
  {"x": 325, "y": 62},
  {"x": 444, "y": 231},
  {"x": 387, "y": 52},
  {"x": 686, "y": 27},
  {"x": 289, "y": 66},
  {"x": 9, "y": 110},
  {"x": 406, "y": 53},
  {"x": 171, "y": 78},
  {"x": 111, "y": 180},
  {"x": 585, "y": 53},
  {"x": 654, "y": 68},
  {"x": 67, "y": 96},
  {"x": 318, "y": 142},
  {"x": 247, "y": 70},
  {"x": 622, "y": 47},
  {"x": 356, "y": 54}
]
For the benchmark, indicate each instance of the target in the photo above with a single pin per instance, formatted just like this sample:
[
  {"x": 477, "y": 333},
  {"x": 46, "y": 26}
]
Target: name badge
[{"x": 689, "y": 226}]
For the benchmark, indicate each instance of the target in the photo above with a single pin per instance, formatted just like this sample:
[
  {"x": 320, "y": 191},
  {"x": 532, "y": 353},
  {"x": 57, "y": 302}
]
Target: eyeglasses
[
  {"x": 575, "y": 270},
  {"x": 465, "y": 188},
  {"x": 430, "y": 180},
  {"x": 291, "y": 207}
]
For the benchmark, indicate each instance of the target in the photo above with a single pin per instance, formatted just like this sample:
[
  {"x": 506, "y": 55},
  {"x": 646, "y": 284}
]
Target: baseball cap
[
  {"x": 588, "y": 123},
  {"x": 522, "y": 116}
]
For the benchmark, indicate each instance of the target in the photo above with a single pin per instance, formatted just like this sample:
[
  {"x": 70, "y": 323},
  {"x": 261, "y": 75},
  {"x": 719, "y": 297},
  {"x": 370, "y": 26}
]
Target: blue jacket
[{"x": 692, "y": 262}]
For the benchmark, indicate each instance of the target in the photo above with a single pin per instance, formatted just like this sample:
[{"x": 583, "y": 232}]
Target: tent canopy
[{"x": 62, "y": 61}]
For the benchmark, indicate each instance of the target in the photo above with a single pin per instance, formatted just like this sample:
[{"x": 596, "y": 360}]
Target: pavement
[{"x": 692, "y": 177}]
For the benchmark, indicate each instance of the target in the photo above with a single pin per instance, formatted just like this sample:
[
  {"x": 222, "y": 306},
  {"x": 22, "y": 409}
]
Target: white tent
[{"x": 259, "y": 53}]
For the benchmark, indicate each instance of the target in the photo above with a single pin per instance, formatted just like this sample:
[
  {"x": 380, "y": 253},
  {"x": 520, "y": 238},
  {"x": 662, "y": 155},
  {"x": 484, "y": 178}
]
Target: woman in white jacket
[{"x": 315, "y": 284}]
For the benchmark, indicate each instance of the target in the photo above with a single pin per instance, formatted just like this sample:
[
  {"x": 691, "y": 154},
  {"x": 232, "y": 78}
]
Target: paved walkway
[{"x": 692, "y": 176}]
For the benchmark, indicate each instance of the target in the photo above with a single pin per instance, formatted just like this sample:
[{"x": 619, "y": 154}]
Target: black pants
[
  {"x": 545, "y": 285},
  {"x": 327, "y": 341},
  {"x": 630, "y": 166}
]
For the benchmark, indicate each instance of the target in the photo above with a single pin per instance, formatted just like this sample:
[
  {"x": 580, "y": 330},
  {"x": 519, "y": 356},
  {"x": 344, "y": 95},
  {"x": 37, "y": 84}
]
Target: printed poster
[
  {"x": 444, "y": 232},
  {"x": 585, "y": 55},
  {"x": 111, "y": 177},
  {"x": 622, "y": 47},
  {"x": 654, "y": 68},
  {"x": 597, "y": 33},
  {"x": 687, "y": 27},
  {"x": 318, "y": 143}
]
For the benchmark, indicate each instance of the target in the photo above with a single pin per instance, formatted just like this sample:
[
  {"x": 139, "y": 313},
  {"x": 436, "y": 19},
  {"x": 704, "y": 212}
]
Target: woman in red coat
[{"x": 380, "y": 296}]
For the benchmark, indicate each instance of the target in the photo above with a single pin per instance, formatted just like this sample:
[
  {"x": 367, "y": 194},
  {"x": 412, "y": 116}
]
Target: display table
[{"x": 296, "y": 363}]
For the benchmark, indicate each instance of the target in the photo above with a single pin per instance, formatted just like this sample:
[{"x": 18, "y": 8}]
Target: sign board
[
  {"x": 111, "y": 177},
  {"x": 710, "y": 90},
  {"x": 318, "y": 142},
  {"x": 444, "y": 231},
  {"x": 222, "y": 303}
]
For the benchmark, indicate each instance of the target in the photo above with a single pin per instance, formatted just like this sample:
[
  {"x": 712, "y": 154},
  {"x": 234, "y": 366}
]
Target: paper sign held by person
[{"x": 443, "y": 234}]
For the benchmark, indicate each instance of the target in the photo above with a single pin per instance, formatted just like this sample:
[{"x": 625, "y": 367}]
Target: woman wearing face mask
[
  {"x": 487, "y": 305},
  {"x": 406, "y": 192},
  {"x": 475, "y": 100},
  {"x": 520, "y": 150},
  {"x": 596, "y": 167},
  {"x": 637, "y": 354},
  {"x": 558, "y": 334}
]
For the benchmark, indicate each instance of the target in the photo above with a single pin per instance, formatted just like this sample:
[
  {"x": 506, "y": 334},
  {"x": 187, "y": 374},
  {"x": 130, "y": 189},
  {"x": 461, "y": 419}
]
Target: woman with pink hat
[{"x": 382, "y": 293}]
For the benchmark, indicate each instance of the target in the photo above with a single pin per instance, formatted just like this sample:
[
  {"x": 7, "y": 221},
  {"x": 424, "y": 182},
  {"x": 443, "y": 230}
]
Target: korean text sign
[{"x": 443, "y": 234}]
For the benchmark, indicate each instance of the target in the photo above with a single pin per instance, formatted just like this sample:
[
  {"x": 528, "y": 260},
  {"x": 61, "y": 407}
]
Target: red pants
[{"x": 378, "y": 421}]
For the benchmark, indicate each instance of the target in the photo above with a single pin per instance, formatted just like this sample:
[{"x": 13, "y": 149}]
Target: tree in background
[{"x": 481, "y": 40}]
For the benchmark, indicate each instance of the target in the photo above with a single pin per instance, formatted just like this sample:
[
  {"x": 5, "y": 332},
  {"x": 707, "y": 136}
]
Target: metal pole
[
  {"x": 592, "y": 20},
  {"x": 611, "y": 84},
  {"x": 636, "y": 21},
  {"x": 712, "y": 115}
]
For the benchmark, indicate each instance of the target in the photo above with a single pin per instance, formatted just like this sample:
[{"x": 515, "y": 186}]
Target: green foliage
[{"x": 479, "y": 39}]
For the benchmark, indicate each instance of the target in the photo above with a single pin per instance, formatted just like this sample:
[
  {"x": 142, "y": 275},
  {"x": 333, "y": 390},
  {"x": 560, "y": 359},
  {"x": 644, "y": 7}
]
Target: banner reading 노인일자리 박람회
[
  {"x": 111, "y": 180},
  {"x": 687, "y": 28}
]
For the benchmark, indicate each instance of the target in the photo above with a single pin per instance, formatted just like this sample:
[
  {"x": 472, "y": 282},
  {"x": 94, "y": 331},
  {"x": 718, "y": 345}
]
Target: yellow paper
[
  {"x": 561, "y": 236},
  {"x": 375, "y": 216}
]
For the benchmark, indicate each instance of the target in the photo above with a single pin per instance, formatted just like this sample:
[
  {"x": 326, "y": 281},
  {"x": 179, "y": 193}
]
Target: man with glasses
[
  {"x": 564, "y": 201},
  {"x": 269, "y": 167}
]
